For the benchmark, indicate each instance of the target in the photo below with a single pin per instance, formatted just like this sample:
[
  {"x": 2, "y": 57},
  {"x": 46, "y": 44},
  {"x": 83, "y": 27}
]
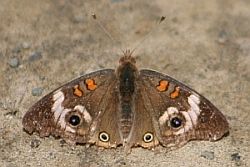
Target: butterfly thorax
[{"x": 127, "y": 74}]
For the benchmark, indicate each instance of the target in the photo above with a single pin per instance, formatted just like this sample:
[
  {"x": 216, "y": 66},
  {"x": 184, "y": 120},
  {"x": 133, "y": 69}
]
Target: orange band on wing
[
  {"x": 90, "y": 83},
  {"x": 163, "y": 86},
  {"x": 175, "y": 93},
  {"x": 78, "y": 91}
]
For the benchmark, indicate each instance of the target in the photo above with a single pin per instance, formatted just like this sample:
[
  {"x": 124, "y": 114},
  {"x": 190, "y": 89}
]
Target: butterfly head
[
  {"x": 127, "y": 58},
  {"x": 127, "y": 65}
]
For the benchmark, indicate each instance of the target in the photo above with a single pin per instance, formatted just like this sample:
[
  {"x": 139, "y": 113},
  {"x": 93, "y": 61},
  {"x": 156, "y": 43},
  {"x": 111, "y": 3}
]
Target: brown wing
[
  {"x": 179, "y": 113},
  {"x": 74, "y": 110},
  {"x": 143, "y": 131}
]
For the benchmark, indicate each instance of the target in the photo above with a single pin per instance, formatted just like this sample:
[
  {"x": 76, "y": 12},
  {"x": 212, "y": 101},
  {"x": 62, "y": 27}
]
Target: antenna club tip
[
  {"x": 93, "y": 15},
  {"x": 162, "y": 18}
]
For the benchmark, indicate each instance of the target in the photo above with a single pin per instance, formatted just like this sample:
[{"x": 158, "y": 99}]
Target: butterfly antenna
[
  {"x": 149, "y": 33},
  {"x": 105, "y": 30}
]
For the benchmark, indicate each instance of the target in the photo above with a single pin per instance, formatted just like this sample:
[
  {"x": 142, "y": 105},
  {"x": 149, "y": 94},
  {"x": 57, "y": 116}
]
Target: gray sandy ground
[{"x": 43, "y": 44}]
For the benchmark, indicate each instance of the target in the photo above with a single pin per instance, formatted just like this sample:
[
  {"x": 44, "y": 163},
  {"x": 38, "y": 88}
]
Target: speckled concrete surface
[{"x": 43, "y": 44}]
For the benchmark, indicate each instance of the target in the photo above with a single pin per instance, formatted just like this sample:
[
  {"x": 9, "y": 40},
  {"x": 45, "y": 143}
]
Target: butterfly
[{"x": 126, "y": 107}]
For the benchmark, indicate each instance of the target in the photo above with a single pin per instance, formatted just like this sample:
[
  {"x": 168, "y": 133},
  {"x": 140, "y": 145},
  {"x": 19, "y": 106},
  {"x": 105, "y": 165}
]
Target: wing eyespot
[
  {"x": 74, "y": 120},
  {"x": 104, "y": 137},
  {"x": 175, "y": 122},
  {"x": 148, "y": 137},
  {"x": 78, "y": 116}
]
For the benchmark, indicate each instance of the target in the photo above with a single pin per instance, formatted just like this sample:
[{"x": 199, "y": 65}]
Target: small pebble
[
  {"x": 35, "y": 56},
  {"x": 25, "y": 45},
  {"x": 235, "y": 156},
  {"x": 120, "y": 162},
  {"x": 42, "y": 78},
  {"x": 208, "y": 155},
  {"x": 11, "y": 113},
  {"x": 79, "y": 18},
  {"x": 35, "y": 143},
  {"x": 37, "y": 91},
  {"x": 62, "y": 143},
  {"x": 223, "y": 37},
  {"x": 14, "y": 62},
  {"x": 17, "y": 49}
]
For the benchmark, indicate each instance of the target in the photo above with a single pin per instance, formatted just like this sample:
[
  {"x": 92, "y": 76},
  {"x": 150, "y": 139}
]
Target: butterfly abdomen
[{"x": 126, "y": 119}]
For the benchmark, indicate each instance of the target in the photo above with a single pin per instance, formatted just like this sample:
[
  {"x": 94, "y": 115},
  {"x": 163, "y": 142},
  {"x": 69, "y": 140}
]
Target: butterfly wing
[
  {"x": 180, "y": 114},
  {"x": 143, "y": 130},
  {"x": 74, "y": 111}
]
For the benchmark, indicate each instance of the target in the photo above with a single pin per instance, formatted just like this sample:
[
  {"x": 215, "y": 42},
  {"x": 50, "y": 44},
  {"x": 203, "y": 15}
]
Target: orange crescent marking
[
  {"x": 163, "y": 86},
  {"x": 175, "y": 93},
  {"x": 77, "y": 91},
  {"x": 90, "y": 84}
]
